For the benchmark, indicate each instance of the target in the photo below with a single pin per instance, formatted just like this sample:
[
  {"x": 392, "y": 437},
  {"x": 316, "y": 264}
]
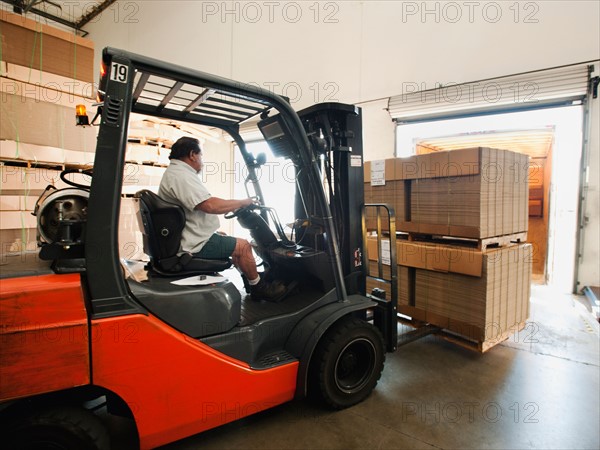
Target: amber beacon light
[{"x": 81, "y": 116}]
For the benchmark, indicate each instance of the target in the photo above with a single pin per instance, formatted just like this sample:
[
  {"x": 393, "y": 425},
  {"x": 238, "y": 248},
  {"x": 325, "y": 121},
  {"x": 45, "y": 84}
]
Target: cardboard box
[
  {"x": 47, "y": 87},
  {"x": 16, "y": 220},
  {"x": 17, "y": 202},
  {"x": 444, "y": 258},
  {"x": 27, "y": 120},
  {"x": 491, "y": 305},
  {"x": 473, "y": 193},
  {"x": 17, "y": 241},
  {"x": 535, "y": 208},
  {"x": 28, "y": 180},
  {"x": 131, "y": 242},
  {"x": 140, "y": 153},
  {"x": 391, "y": 193},
  {"x": 39, "y": 46},
  {"x": 479, "y": 294},
  {"x": 373, "y": 281}
]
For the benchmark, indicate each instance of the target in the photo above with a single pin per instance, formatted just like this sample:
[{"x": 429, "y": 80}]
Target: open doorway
[{"x": 553, "y": 139}]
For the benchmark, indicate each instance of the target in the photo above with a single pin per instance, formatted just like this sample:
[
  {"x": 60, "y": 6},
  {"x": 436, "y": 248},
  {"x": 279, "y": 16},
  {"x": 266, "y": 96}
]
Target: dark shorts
[{"x": 218, "y": 247}]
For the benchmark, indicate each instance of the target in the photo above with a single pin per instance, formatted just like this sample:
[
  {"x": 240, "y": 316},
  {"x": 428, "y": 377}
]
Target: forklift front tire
[
  {"x": 348, "y": 362},
  {"x": 60, "y": 428}
]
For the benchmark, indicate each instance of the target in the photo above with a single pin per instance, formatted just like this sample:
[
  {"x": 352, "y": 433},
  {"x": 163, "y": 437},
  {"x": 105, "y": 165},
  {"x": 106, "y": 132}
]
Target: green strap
[
  {"x": 23, "y": 234},
  {"x": 41, "y": 53},
  {"x": 1, "y": 44},
  {"x": 74, "y": 54},
  {"x": 32, "y": 56}
]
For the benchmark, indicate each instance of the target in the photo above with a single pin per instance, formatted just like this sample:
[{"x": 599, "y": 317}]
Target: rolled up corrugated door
[{"x": 538, "y": 89}]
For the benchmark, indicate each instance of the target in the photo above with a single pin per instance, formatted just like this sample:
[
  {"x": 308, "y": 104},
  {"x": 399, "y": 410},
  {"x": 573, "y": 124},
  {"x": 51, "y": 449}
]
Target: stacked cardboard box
[
  {"x": 44, "y": 73},
  {"x": 477, "y": 193},
  {"x": 481, "y": 308},
  {"x": 391, "y": 193},
  {"x": 471, "y": 193},
  {"x": 481, "y": 295},
  {"x": 32, "y": 44}
]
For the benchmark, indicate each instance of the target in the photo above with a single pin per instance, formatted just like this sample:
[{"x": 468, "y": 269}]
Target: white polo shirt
[{"x": 181, "y": 185}]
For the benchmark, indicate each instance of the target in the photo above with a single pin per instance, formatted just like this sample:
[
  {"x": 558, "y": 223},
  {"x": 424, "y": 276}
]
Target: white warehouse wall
[
  {"x": 354, "y": 52},
  {"x": 363, "y": 52}
]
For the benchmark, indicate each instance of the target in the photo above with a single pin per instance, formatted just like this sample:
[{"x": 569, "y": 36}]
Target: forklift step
[{"x": 274, "y": 359}]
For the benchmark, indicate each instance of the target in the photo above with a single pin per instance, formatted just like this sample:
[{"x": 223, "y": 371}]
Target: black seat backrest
[{"x": 162, "y": 223}]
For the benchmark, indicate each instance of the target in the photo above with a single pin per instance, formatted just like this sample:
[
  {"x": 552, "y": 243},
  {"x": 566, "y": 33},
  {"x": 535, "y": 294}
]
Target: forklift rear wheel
[
  {"x": 349, "y": 362},
  {"x": 64, "y": 428}
]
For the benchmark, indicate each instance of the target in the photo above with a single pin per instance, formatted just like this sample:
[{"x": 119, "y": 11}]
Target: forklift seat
[{"x": 162, "y": 223}]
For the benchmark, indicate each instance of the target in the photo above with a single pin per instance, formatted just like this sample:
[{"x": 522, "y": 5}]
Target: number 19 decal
[{"x": 118, "y": 72}]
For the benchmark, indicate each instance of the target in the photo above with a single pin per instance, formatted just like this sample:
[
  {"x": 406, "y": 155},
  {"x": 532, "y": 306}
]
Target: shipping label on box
[
  {"x": 378, "y": 173},
  {"x": 385, "y": 252}
]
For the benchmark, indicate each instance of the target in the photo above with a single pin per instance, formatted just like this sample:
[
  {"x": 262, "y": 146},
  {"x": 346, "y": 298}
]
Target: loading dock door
[{"x": 558, "y": 86}]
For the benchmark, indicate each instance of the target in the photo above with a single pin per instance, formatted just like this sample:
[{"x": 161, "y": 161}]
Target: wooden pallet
[
  {"x": 480, "y": 244},
  {"x": 502, "y": 241},
  {"x": 469, "y": 344},
  {"x": 480, "y": 346}
]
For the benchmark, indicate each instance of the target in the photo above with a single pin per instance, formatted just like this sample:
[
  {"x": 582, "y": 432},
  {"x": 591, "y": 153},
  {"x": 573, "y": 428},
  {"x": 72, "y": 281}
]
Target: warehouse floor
[{"x": 539, "y": 389}]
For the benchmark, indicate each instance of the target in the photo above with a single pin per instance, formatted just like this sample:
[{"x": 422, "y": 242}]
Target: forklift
[{"x": 78, "y": 333}]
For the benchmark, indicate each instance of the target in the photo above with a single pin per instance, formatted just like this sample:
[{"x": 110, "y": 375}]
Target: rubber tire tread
[
  {"x": 327, "y": 350},
  {"x": 78, "y": 421}
]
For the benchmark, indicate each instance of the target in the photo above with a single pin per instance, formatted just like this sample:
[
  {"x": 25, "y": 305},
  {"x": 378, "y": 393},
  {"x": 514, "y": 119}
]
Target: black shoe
[{"x": 268, "y": 291}]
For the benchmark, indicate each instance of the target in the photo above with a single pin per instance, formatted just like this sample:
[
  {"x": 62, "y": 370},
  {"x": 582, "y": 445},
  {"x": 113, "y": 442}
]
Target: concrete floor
[{"x": 539, "y": 389}]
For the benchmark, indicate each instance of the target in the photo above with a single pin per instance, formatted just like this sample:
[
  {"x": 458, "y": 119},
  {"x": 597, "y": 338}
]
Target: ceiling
[
  {"x": 536, "y": 142},
  {"x": 66, "y": 13}
]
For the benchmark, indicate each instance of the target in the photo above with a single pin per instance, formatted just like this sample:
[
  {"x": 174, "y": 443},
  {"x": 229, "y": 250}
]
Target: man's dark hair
[{"x": 184, "y": 146}]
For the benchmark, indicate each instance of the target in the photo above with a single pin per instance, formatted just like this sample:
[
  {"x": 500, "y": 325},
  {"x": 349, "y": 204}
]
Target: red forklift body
[
  {"x": 44, "y": 335},
  {"x": 178, "y": 386}
]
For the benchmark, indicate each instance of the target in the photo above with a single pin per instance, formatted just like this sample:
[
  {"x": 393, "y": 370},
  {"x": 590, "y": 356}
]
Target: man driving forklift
[{"x": 181, "y": 185}]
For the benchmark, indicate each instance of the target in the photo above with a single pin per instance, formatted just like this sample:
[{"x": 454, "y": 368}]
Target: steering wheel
[{"x": 243, "y": 209}]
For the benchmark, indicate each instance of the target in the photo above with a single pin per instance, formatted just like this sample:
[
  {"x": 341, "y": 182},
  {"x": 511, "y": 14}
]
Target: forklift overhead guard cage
[{"x": 135, "y": 83}]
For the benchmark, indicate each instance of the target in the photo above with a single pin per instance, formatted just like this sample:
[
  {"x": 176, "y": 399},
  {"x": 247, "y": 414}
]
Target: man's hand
[{"x": 247, "y": 202}]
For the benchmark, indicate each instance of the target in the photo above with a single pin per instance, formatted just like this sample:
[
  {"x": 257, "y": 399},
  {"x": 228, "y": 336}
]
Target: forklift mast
[{"x": 335, "y": 132}]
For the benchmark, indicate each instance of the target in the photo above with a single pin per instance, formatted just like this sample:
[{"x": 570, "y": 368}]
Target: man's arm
[{"x": 216, "y": 205}]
